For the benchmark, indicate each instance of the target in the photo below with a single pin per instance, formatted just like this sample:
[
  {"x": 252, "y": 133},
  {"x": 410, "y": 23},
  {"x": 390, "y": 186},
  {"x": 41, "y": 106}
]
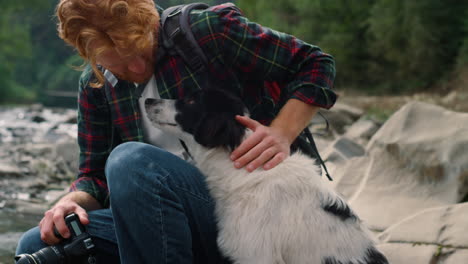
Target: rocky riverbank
[
  {"x": 407, "y": 177},
  {"x": 38, "y": 159},
  {"x": 38, "y": 155}
]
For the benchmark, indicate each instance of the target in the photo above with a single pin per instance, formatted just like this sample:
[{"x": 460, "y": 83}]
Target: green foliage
[
  {"x": 36, "y": 64},
  {"x": 462, "y": 59},
  {"x": 337, "y": 26},
  {"x": 378, "y": 45},
  {"x": 415, "y": 43},
  {"x": 64, "y": 81},
  {"x": 14, "y": 44}
]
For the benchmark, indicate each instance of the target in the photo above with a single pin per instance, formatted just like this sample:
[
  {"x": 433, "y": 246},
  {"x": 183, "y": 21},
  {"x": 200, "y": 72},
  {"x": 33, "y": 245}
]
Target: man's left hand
[{"x": 266, "y": 146}]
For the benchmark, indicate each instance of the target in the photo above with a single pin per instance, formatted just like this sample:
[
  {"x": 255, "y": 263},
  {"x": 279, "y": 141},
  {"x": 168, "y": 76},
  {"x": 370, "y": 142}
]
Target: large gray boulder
[
  {"x": 416, "y": 160},
  {"x": 436, "y": 235},
  {"x": 340, "y": 116}
]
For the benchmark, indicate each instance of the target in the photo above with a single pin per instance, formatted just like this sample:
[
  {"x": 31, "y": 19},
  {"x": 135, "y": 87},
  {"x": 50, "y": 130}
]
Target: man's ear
[{"x": 219, "y": 130}]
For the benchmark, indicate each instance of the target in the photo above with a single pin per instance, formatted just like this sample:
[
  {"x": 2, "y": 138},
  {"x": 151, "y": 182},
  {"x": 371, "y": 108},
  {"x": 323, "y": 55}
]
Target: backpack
[{"x": 178, "y": 39}]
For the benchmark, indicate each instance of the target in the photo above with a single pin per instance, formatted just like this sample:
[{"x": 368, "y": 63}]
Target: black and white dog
[{"x": 286, "y": 215}]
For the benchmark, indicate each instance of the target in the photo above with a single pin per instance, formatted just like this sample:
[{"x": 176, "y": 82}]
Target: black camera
[{"x": 78, "y": 246}]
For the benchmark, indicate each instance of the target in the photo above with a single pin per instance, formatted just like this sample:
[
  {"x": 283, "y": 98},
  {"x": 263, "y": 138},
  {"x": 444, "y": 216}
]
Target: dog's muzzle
[{"x": 161, "y": 111}]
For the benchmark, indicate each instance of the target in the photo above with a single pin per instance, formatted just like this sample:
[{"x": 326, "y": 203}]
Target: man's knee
[
  {"x": 123, "y": 160},
  {"x": 128, "y": 165},
  {"x": 30, "y": 242},
  {"x": 121, "y": 157},
  {"x": 127, "y": 155}
]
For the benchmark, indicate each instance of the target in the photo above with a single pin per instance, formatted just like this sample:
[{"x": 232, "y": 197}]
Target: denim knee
[
  {"x": 30, "y": 242},
  {"x": 127, "y": 164},
  {"x": 122, "y": 159},
  {"x": 120, "y": 156}
]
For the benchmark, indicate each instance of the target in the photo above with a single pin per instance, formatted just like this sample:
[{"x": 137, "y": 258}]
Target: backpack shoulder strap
[{"x": 178, "y": 38}]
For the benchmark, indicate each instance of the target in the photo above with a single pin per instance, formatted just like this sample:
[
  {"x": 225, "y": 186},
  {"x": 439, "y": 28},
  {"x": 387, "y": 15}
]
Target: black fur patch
[
  {"x": 209, "y": 115},
  {"x": 330, "y": 260},
  {"x": 339, "y": 208},
  {"x": 373, "y": 256}
]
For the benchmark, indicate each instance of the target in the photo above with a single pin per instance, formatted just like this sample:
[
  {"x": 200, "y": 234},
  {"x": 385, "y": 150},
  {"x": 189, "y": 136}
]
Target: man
[{"x": 145, "y": 203}]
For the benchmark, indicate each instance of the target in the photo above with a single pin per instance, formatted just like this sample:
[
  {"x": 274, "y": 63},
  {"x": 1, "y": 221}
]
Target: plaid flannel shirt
[{"x": 265, "y": 67}]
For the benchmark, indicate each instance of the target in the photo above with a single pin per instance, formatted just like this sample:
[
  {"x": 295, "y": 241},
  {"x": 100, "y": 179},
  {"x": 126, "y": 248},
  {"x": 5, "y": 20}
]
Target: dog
[{"x": 285, "y": 215}]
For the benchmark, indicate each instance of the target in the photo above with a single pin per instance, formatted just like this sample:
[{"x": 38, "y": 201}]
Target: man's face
[{"x": 136, "y": 68}]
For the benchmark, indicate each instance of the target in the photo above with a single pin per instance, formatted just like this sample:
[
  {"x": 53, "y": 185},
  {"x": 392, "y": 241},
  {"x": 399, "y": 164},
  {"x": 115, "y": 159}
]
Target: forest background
[{"x": 381, "y": 47}]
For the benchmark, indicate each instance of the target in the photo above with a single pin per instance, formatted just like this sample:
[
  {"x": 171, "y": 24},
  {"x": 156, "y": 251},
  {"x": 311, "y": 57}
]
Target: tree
[
  {"x": 462, "y": 58},
  {"x": 337, "y": 26},
  {"x": 14, "y": 44},
  {"x": 415, "y": 43}
]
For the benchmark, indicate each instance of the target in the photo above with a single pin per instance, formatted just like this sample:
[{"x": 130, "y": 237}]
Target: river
[
  {"x": 12, "y": 225},
  {"x": 38, "y": 159}
]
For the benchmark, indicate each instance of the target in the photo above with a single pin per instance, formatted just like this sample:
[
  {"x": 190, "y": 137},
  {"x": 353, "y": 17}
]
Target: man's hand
[
  {"x": 55, "y": 217},
  {"x": 267, "y": 146},
  {"x": 270, "y": 145}
]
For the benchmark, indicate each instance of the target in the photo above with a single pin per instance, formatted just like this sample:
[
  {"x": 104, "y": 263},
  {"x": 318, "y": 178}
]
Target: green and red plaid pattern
[{"x": 265, "y": 67}]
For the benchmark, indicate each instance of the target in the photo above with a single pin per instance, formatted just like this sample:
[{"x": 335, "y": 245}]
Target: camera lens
[
  {"x": 52, "y": 255},
  {"x": 25, "y": 259}
]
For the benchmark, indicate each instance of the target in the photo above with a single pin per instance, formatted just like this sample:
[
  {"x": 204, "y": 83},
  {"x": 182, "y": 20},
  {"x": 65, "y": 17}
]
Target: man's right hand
[{"x": 73, "y": 202}]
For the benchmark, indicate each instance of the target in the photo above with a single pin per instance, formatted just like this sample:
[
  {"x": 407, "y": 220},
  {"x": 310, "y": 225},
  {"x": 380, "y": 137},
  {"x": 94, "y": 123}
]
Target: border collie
[{"x": 285, "y": 215}]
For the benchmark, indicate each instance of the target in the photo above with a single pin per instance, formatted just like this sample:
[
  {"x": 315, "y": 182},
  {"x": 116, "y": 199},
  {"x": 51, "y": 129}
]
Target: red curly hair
[{"x": 94, "y": 26}]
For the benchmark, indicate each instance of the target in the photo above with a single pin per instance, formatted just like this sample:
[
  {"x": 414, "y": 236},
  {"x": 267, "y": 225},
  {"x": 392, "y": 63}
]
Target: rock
[
  {"x": 71, "y": 118},
  {"x": 35, "y": 108},
  {"x": 69, "y": 151},
  {"x": 30, "y": 208},
  {"x": 36, "y": 150},
  {"x": 61, "y": 133},
  {"x": 450, "y": 97},
  {"x": 53, "y": 196},
  {"x": 410, "y": 165},
  {"x": 23, "y": 196},
  {"x": 38, "y": 119},
  {"x": 436, "y": 235},
  {"x": 340, "y": 116},
  {"x": 348, "y": 175},
  {"x": 351, "y": 111},
  {"x": 343, "y": 149},
  {"x": 38, "y": 159},
  {"x": 8, "y": 242},
  {"x": 10, "y": 170},
  {"x": 422, "y": 146},
  {"x": 339, "y": 152},
  {"x": 362, "y": 130},
  {"x": 409, "y": 253}
]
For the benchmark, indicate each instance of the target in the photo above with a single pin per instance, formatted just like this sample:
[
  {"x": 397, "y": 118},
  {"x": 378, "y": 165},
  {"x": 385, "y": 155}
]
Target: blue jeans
[{"x": 161, "y": 211}]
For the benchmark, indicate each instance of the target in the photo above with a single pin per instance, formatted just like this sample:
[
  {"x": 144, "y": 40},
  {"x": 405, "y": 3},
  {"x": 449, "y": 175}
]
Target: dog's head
[{"x": 207, "y": 116}]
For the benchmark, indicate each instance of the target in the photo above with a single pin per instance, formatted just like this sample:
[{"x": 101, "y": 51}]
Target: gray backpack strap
[{"x": 178, "y": 38}]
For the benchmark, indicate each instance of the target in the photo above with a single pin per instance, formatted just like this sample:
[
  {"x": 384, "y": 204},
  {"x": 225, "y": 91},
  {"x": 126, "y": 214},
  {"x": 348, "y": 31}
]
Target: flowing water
[
  {"x": 26, "y": 126},
  {"x": 12, "y": 226}
]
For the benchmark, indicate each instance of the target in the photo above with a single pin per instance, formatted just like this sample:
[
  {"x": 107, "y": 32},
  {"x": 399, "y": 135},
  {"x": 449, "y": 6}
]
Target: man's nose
[{"x": 137, "y": 65}]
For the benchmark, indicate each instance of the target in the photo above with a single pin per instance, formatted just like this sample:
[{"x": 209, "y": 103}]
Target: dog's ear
[{"x": 219, "y": 130}]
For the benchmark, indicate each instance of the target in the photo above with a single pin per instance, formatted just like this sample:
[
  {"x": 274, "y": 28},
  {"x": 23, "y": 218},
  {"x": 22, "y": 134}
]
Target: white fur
[{"x": 274, "y": 216}]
